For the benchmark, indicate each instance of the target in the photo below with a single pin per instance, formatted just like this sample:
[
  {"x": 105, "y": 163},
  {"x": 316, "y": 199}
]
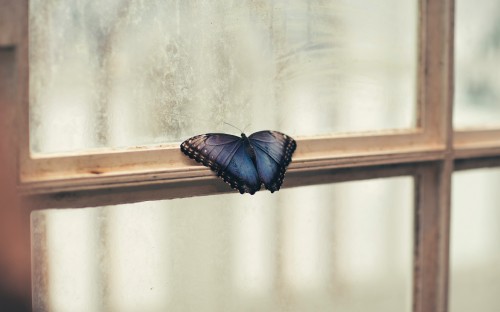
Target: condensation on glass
[
  {"x": 338, "y": 247},
  {"x": 477, "y": 64},
  {"x": 475, "y": 236},
  {"x": 122, "y": 73}
]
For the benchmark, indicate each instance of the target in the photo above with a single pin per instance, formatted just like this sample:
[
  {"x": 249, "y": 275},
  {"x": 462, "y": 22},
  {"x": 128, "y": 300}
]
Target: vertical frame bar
[
  {"x": 40, "y": 270},
  {"x": 432, "y": 237},
  {"x": 433, "y": 188},
  {"x": 15, "y": 284},
  {"x": 23, "y": 83},
  {"x": 436, "y": 69},
  {"x": 14, "y": 93}
]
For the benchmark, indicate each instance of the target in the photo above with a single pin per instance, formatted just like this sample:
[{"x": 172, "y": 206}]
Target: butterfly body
[{"x": 244, "y": 162}]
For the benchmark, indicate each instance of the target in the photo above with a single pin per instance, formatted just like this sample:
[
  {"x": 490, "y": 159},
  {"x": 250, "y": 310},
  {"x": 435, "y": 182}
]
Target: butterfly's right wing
[
  {"x": 225, "y": 154},
  {"x": 273, "y": 151}
]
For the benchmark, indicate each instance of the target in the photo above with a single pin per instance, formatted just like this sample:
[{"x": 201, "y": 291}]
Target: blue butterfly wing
[
  {"x": 273, "y": 153},
  {"x": 241, "y": 173},
  {"x": 227, "y": 156}
]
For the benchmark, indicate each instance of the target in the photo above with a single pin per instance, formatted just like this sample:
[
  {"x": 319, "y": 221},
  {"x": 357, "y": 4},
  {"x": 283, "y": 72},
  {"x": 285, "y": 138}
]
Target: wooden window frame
[{"x": 429, "y": 153}]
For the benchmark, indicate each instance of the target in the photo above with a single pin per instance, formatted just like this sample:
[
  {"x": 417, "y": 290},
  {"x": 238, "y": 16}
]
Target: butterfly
[{"x": 244, "y": 162}]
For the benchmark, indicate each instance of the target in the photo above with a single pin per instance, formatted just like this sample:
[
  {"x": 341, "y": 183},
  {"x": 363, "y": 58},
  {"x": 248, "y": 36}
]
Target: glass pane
[
  {"x": 477, "y": 64},
  {"x": 475, "y": 236},
  {"x": 316, "y": 248},
  {"x": 125, "y": 73}
]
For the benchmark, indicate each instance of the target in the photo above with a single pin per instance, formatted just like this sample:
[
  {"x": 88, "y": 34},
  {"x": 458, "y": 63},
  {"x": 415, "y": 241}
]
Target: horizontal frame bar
[
  {"x": 145, "y": 167},
  {"x": 476, "y": 143},
  {"x": 209, "y": 186}
]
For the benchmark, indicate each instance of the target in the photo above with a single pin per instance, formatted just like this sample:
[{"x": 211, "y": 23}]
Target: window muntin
[{"x": 163, "y": 72}]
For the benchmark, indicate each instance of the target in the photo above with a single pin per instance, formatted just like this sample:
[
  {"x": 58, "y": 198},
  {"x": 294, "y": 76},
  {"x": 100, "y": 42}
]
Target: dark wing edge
[
  {"x": 191, "y": 148},
  {"x": 289, "y": 146}
]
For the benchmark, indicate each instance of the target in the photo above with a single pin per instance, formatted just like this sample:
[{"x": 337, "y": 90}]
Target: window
[
  {"x": 261, "y": 252},
  {"x": 376, "y": 117}
]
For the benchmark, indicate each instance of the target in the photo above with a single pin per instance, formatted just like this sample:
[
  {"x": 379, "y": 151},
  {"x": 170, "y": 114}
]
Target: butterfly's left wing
[
  {"x": 273, "y": 153},
  {"x": 226, "y": 155}
]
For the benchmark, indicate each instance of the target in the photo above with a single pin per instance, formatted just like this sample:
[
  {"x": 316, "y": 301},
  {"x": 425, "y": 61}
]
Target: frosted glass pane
[
  {"x": 339, "y": 247},
  {"x": 475, "y": 237},
  {"x": 477, "y": 64},
  {"x": 107, "y": 74}
]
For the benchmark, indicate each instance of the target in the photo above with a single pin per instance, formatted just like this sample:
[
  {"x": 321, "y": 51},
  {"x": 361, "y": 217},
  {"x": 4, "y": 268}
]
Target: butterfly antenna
[
  {"x": 227, "y": 123},
  {"x": 244, "y": 129}
]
